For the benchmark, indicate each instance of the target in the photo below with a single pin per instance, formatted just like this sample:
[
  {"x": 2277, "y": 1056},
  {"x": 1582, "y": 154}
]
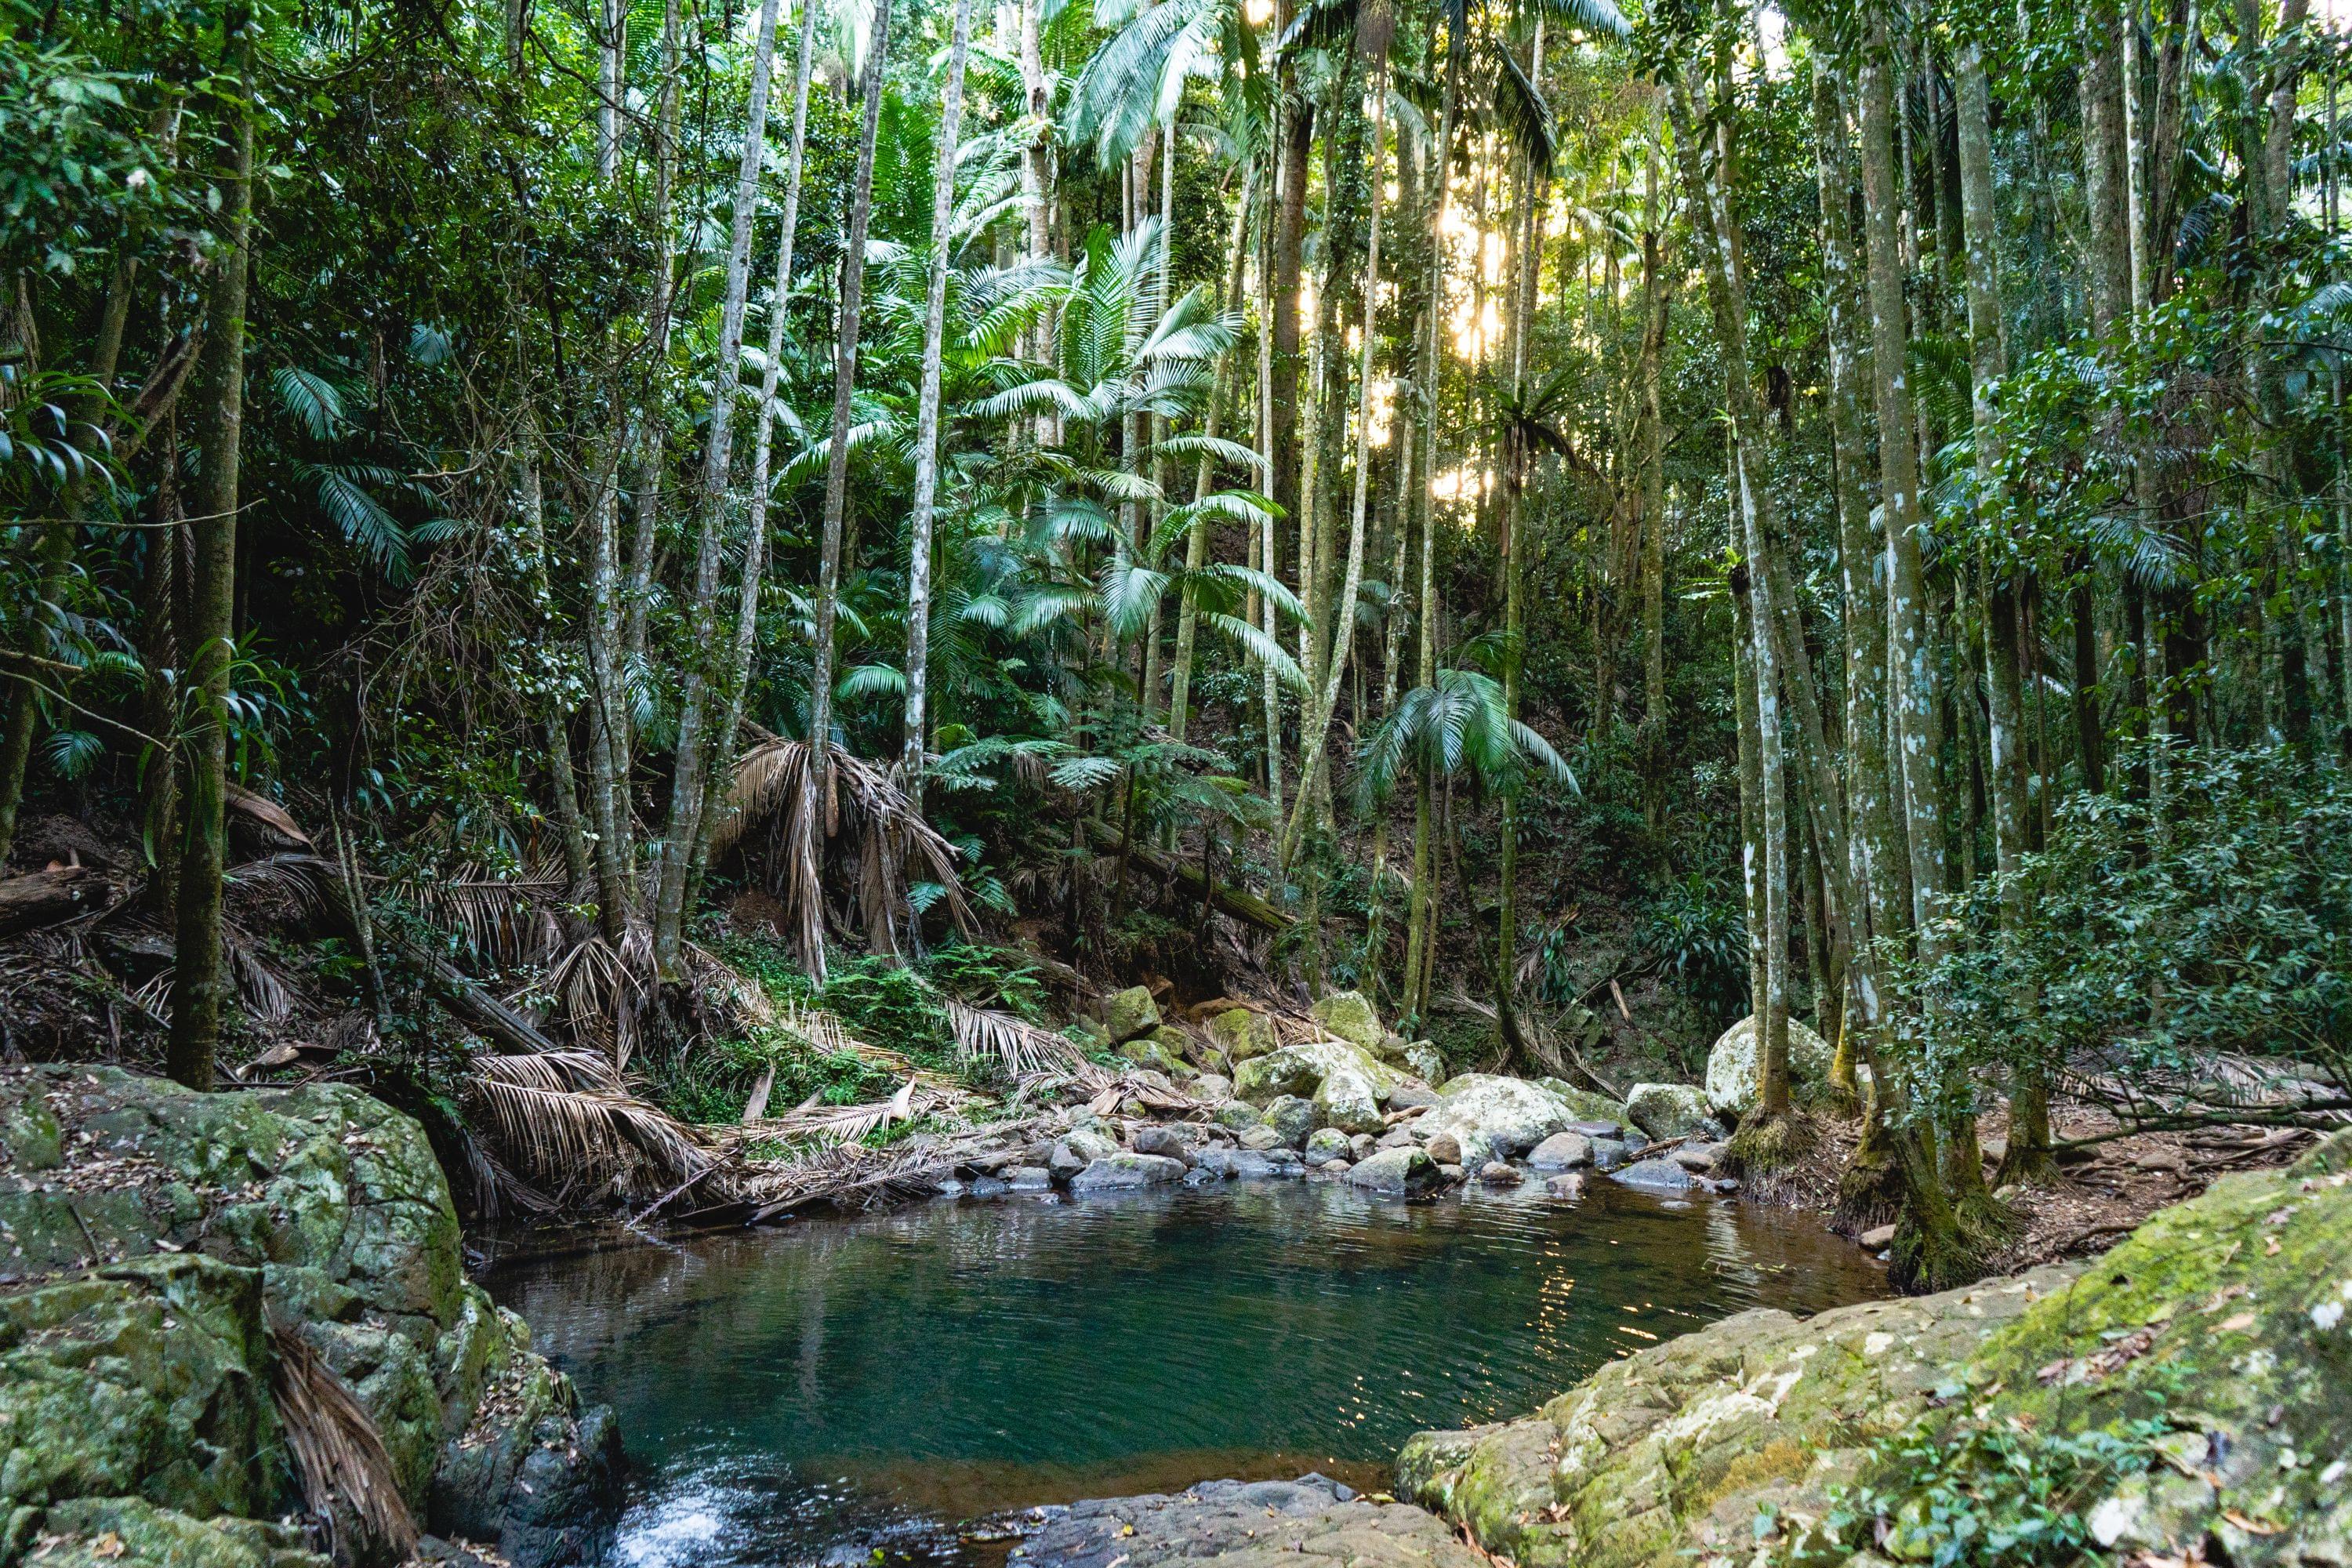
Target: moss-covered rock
[
  {"x": 1731, "y": 1066},
  {"x": 2224, "y": 1327},
  {"x": 1300, "y": 1070},
  {"x": 149, "y": 1254},
  {"x": 1669, "y": 1109},
  {"x": 1242, "y": 1033},
  {"x": 131, "y": 1532},
  {"x": 1129, "y": 1015},
  {"x": 1348, "y": 1014}
]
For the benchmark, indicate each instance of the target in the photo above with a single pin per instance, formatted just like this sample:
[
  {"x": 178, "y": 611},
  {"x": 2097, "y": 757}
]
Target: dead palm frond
[
  {"x": 507, "y": 921},
  {"x": 597, "y": 990},
  {"x": 852, "y": 829},
  {"x": 263, "y": 990},
  {"x": 270, "y": 822},
  {"x": 819, "y": 1125},
  {"x": 347, "y": 1482},
  {"x": 1020, "y": 1046},
  {"x": 823, "y": 1033},
  {"x": 566, "y": 1119}
]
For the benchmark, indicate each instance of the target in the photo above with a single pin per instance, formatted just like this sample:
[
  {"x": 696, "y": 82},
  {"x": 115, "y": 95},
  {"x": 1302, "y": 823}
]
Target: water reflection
[{"x": 896, "y": 1375}]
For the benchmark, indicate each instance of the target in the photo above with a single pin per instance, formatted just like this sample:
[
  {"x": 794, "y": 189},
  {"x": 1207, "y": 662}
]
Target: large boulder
[
  {"x": 1422, "y": 1059},
  {"x": 2210, "y": 1353},
  {"x": 1495, "y": 1118},
  {"x": 1325, "y": 1145},
  {"x": 1348, "y": 1100},
  {"x": 1348, "y": 1016},
  {"x": 1241, "y": 1033},
  {"x": 1669, "y": 1109},
  {"x": 1731, "y": 1066},
  {"x": 1561, "y": 1151},
  {"x": 1125, "y": 1172},
  {"x": 317, "y": 1208},
  {"x": 1293, "y": 1118},
  {"x": 1129, "y": 1015},
  {"x": 1587, "y": 1106},
  {"x": 1300, "y": 1069},
  {"x": 1396, "y": 1172}
]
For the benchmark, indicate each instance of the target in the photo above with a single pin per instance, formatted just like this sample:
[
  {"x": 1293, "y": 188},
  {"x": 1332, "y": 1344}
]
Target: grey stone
[
  {"x": 1129, "y": 1013},
  {"x": 1212, "y": 1086},
  {"x": 991, "y": 1188},
  {"x": 1655, "y": 1175},
  {"x": 1300, "y": 1070},
  {"x": 1495, "y": 1173},
  {"x": 1090, "y": 1145},
  {"x": 1698, "y": 1159},
  {"x": 1668, "y": 1110},
  {"x": 1413, "y": 1097},
  {"x": 1608, "y": 1153},
  {"x": 1293, "y": 1118},
  {"x": 1239, "y": 1115},
  {"x": 1347, "y": 1015},
  {"x": 1566, "y": 1188},
  {"x": 1731, "y": 1069},
  {"x": 1395, "y": 1171},
  {"x": 1338, "y": 1167},
  {"x": 1498, "y": 1118},
  {"x": 1446, "y": 1148},
  {"x": 1032, "y": 1178},
  {"x": 1154, "y": 1138},
  {"x": 1422, "y": 1059},
  {"x": 1363, "y": 1143},
  {"x": 1597, "y": 1129},
  {"x": 1325, "y": 1145},
  {"x": 1879, "y": 1238},
  {"x": 1561, "y": 1151},
  {"x": 1124, "y": 1171},
  {"x": 1394, "y": 1137},
  {"x": 953, "y": 1188},
  {"x": 1261, "y": 1137}
]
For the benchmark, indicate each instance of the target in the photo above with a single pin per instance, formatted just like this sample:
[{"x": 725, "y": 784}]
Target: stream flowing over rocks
[{"x": 180, "y": 1273}]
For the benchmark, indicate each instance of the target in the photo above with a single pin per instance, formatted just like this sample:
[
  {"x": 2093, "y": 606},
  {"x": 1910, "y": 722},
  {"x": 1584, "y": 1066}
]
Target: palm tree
[{"x": 1458, "y": 724}]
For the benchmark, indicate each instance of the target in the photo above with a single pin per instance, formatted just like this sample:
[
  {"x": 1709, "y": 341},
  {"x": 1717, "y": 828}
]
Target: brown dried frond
[
  {"x": 510, "y": 922},
  {"x": 347, "y": 1478},
  {"x": 1021, "y": 1047},
  {"x": 566, "y": 1119}
]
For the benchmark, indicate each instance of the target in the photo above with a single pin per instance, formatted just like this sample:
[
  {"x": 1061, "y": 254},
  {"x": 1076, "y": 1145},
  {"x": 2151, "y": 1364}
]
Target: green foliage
[{"x": 1699, "y": 932}]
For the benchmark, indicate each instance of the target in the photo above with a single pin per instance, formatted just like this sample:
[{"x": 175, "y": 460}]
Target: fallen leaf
[
  {"x": 2250, "y": 1525},
  {"x": 2235, "y": 1321}
]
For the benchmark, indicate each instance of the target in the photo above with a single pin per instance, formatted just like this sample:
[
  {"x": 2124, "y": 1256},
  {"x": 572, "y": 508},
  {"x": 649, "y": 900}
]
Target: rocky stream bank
[{"x": 236, "y": 1328}]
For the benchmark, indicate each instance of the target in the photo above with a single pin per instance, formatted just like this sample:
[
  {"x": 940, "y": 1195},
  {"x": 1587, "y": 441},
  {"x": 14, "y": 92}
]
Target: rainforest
[{"x": 1082, "y": 783}]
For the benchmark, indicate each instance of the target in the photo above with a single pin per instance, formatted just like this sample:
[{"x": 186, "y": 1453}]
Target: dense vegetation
[{"x": 1835, "y": 510}]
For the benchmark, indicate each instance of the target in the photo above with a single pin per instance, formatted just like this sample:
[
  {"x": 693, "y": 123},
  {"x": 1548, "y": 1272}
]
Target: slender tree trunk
[
  {"x": 689, "y": 779},
  {"x": 1292, "y": 141},
  {"x": 651, "y": 415},
  {"x": 845, "y": 387},
  {"x": 199, "y": 978},
  {"x": 1196, "y": 541},
  {"x": 926, "y": 409}
]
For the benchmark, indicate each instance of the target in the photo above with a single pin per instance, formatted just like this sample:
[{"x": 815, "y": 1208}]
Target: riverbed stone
[
  {"x": 1129, "y": 1015},
  {"x": 1656, "y": 1176},
  {"x": 1561, "y": 1151},
  {"x": 1293, "y": 1118},
  {"x": 1495, "y": 1173},
  {"x": 1244, "y": 1164},
  {"x": 1587, "y": 1105},
  {"x": 1413, "y": 1097},
  {"x": 1300, "y": 1070},
  {"x": 1091, "y": 1144},
  {"x": 1126, "y": 1172},
  {"x": 1608, "y": 1153},
  {"x": 1566, "y": 1188},
  {"x": 1239, "y": 1115},
  {"x": 1363, "y": 1143},
  {"x": 1350, "y": 1100},
  {"x": 1212, "y": 1086},
  {"x": 1242, "y": 1033},
  {"x": 1032, "y": 1179},
  {"x": 1425, "y": 1062},
  {"x": 1261, "y": 1137},
  {"x": 1395, "y": 1173},
  {"x": 1699, "y": 1159},
  {"x": 1311, "y": 1523},
  {"x": 1348, "y": 1014},
  {"x": 1669, "y": 1109},
  {"x": 1153, "y": 1138},
  {"x": 1731, "y": 1066},
  {"x": 1148, "y": 1051},
  {"x": 1325, "y": 1145},
  {"x": 1494, "y": 1117}
]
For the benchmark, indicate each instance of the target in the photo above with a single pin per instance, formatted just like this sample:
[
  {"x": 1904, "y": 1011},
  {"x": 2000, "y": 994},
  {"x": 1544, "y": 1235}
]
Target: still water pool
[{"x": 897, "y": 1377}]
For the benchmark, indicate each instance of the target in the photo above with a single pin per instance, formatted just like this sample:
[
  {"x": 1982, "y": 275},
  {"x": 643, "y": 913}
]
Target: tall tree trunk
[
  {"x": 689, "y": 778},
  {"x": 650, "y": 445},
  {"x": 926, "y": 409},
  {"x": 1196, "y": 539},
  {"x": 1324, "y": 704},
  {"x": 845, "y": 387},
  {"x": 2107, "y": 266},
  {"x": 1294, "y": 141},
  {"x": 199, "y": 979}
]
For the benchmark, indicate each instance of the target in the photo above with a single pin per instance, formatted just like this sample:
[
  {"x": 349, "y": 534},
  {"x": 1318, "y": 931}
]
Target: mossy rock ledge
[
  {"x": 151, "y": 1240},
  {"x": 2223, "y": 1324}
]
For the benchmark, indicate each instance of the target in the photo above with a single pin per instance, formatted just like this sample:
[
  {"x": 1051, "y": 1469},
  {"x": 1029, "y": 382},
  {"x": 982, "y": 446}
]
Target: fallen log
[
  {"x": 1239, "y": 903},
  {"x": 51, "y": 897}
]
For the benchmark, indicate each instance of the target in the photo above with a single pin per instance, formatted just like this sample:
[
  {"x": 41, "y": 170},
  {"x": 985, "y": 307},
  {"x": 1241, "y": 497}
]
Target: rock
[
  {"x": 1495, "y": 1173},
  {"x": 1312, "y": 1522},
  {"x": 1698, "y": 1159},
  {"x": 1566, "y": 1188},
  {"x": 1348, "y": 1101},
  {"x": 953, "y": 1188},
  {"x": 1090, "y": 1145},
  {"x": 989, "y": 1187},
  {"x": 1587, "y": 1106},
  {"x": 1561, "y": 1151},
  {"x": 1243, "y": 1164},
  {"x": 1654, "y": 1176},
  {"x": 1032, "y": 1179},
  {"x": 1153, "y": 1138},
  {"x": 1262, "y": 1138},
  {"x": 318, "y": 1208},
  {"x": 1413, "y": 1097},
  {"x": 1327, "y": 1144},
  {"x": 1129, "y": 1015},
  {"x": 1124, "y": 1171},
  {"x": 1423, "y": 1060},
  {"x": 1608, "y": 1153},
  {"x": 1214, "y": 1086},
  {"x": 1147, "y": 1052},
  {"x": 1878, "y": 1239},
  {"x": 1668, "y": 1110},
  {"x": 1242, "y": 1033},
  {"x": 1239, "y": 1115},
  {"x": 1348, "y": 1016},
  {"x": 1363, "y": 1143},
  {"x": 1446, "y": 1148},
  {"x": 1396, "y": 1172},
  {"x": 1731, "y": 1066},
  {"x": 130, "y": 1532},
  {"x": 1450, "y": 1174},
  {"x": 1300, "y": 1070},
  {"x": 1338, "y": 1167},
  {"x": 1499, "y": 1117},
  {"x": 2253, "y": 1400},
  {"x": 1293, "y": 1118}
]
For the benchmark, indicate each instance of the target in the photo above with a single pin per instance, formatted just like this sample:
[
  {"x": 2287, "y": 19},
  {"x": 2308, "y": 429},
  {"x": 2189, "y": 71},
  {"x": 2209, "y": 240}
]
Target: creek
[{"x": 909, "y": 1380}]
